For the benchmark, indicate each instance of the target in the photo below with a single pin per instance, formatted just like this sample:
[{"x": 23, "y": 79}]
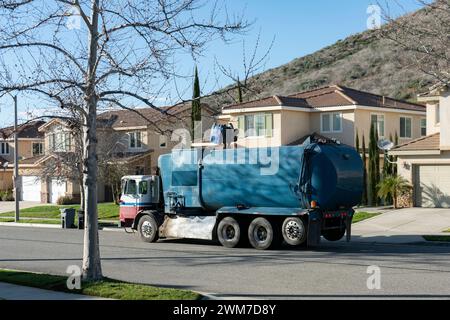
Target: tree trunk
[{"x": 92, "y": 269}]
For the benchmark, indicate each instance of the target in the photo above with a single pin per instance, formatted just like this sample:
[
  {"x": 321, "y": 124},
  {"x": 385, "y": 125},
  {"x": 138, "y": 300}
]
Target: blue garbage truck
[{"x": 256, "y": 196}]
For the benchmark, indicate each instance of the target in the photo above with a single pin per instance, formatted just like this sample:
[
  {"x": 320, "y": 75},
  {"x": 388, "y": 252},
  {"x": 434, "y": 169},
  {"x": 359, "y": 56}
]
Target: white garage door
[
  {"x": 432, "y": 186},
  {"x": 31, "y": 188},
  {"x": 57, "y": 190}
]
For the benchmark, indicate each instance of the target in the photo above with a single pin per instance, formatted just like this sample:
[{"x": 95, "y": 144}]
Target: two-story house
[
  {"x": 31, "y": 145},
  {"x": 333, "y": 111},
  {"x": 425, "y": 162},
  {"x": 132, "y": 138}
]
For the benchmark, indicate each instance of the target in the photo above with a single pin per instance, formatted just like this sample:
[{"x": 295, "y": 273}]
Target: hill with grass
[{"x": 364, "y": 61}]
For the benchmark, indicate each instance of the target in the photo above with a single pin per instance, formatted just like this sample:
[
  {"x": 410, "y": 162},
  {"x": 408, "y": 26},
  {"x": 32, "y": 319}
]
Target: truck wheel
[
  {"x": 333, "y": 234},
  {"x": 262, "y": 235},
  {"x": 294, "y": 231},
  {"x": 229, "y": 232},
  {"x": 148, "y": 228}
]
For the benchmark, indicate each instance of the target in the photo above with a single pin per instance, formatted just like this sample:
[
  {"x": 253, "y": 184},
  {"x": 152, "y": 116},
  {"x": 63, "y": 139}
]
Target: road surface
[{"x": 335, "y": 269}]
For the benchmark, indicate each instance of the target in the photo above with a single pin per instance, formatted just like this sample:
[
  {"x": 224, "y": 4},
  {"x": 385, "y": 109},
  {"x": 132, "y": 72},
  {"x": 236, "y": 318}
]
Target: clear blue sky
[{"x": 299, "y": 27}]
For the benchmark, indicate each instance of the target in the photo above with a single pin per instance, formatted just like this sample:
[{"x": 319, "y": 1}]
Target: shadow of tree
[{"x": 432, "y": 196}]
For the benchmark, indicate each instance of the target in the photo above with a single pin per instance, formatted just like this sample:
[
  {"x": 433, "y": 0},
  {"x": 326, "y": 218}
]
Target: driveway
[
  {"x": 402, "y": 226},
  {"x": 7, "y": 206}
]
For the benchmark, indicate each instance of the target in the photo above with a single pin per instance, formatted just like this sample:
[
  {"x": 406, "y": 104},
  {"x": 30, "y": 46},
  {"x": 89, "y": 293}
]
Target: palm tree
[{"x": 391, "y": 186}]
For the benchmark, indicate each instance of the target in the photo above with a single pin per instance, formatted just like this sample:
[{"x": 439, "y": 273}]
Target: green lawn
[
  {"x": 106, "y": 211},
  {"x": 448, "y": 230},
  {"x": 437, "y": 238},
  {"x": 360, "y": 216},
  {"x": 108, "y": 288}
]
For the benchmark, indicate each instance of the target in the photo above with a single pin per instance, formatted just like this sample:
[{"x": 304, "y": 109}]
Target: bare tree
[
  {"x": 107, "y": 52},
  {"x": 424, "y": 36}
]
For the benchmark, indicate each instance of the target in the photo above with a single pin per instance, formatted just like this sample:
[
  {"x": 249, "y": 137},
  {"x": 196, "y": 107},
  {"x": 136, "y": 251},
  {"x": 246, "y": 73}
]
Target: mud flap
[
  {"x": 348, "y": 227},
  {"x": 314, "y": 230}
]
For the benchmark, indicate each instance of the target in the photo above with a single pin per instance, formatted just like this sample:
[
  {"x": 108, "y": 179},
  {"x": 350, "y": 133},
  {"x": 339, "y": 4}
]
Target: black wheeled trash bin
[{"x": 67, "y": 218}]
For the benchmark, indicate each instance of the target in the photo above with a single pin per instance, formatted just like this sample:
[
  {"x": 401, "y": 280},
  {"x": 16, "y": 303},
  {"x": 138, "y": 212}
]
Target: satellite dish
[{"x": 385, "y": 145}]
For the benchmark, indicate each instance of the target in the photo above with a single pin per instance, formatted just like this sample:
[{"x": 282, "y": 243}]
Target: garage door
[
  {"x": 31, "y": 188},
  {"x": 57, "y": 190},
  {"x": 432, "y": 186}
]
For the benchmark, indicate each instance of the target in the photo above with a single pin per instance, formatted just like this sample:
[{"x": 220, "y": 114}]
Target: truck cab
[{"x": 139, "y": 193}]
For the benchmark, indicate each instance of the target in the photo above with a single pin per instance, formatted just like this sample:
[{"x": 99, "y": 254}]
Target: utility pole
[{"x": 16, "y": 164}]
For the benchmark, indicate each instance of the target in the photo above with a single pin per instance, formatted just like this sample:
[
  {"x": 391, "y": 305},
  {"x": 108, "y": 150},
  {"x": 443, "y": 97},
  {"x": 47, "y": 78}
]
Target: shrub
[
  {"x": 65, "y": 200},
  {"x": 7, "y": 195}
]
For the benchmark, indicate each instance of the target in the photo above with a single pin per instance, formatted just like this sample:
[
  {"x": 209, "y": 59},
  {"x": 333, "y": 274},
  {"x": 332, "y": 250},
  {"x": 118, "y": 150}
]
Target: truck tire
[
  {"x": 294, "y": 231},
  {"x": 262, "y": 234},
  {"x": 334, "y": 234},
  {"x": 148, "y": 228},
  {"x": 229, "y": 232}
]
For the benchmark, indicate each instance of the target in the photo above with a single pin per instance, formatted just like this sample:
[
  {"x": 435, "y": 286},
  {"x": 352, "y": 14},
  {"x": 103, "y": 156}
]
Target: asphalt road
[{"x": 335, "y": 269}]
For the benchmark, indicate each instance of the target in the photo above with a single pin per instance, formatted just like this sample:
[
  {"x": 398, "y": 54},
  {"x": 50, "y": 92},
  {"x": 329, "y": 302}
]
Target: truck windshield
[{"x": 130, "y": 187}]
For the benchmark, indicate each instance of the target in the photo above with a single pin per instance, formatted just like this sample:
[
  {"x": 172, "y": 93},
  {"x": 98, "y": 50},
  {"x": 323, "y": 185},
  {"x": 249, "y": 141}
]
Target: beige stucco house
[
  {"x": 333, "y": 111},
  {"x": 425, "y": 162},
  {"x": 30, "y": 142}
]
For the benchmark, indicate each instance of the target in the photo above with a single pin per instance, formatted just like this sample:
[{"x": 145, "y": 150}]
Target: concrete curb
[{"x": 31, "y": 225}]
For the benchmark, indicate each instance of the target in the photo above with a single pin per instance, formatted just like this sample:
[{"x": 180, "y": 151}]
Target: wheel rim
[
  {"x": 260, "y": 234},
  {"x": 229, "y": 232},
  {"x": 294, "y": 231},
  {"x": 147, "y": 229}
]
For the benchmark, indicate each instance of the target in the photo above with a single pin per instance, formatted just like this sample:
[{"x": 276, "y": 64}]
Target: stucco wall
[
  {"x": 405, "y": 163},
  {"x": 391, "y": 124},
  {"x": 347, "y": 135},
  {"x": 6, "y": 179},
  {"x": 444, "y": 108}
]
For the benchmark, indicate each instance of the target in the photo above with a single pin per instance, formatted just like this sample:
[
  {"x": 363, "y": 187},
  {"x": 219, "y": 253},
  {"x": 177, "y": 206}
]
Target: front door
[{"x": 129, "y": 199}]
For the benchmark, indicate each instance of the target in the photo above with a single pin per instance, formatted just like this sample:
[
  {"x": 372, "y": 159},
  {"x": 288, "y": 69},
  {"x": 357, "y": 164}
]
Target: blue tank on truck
[
  {"x": 294, "y": 194},
  {"x": 332, "y": 177}
]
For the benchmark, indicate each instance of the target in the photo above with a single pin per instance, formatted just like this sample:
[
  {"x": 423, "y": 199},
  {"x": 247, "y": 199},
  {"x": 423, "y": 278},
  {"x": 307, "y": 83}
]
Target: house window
[
  {"x": 162, "y": 141},
  {"x": 4, "y": 148},
  {"x": 331, "y": 122},
  {"x": 423, "y": 127},
  {"x": 60, "y": 142},
  {"x": 405, "y": 127},
  {"x": 135, "y": 141},
  {"x": 378, "y": 121},
  {"x": 256, "y": 125},
  {"x": 38, "y": 148}
]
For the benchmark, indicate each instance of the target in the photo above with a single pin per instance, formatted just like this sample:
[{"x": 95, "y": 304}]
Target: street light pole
[{"x": 16, "y": 164}]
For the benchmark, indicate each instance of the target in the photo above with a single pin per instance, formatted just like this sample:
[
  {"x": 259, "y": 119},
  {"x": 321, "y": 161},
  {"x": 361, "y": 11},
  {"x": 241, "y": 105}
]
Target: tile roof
[
  {"x": 330, "y": 96},
  {"x": 27, "y": 130},
  {"x": 128, "y": 118},
  {"x": 32, "y": 160},
  {"x": 430, "y": 142}
]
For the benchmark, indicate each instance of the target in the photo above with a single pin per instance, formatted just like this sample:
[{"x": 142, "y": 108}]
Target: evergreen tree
[
  {"x": 372, "y": 167},
  {"x": 239, "y": 88},
  {"x": 196, "y": 113},
  {"x": 394, "y": 170},
  {"x": 364, "y": 159},
  {"x": 377, "y": 166},
  {"x": 357, "y": 142}
]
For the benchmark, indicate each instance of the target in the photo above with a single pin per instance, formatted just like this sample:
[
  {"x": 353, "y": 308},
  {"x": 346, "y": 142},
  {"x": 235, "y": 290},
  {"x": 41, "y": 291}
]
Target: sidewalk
[
  {"x": 402, "y": 226},
  {"x": 14, "y": 292}
]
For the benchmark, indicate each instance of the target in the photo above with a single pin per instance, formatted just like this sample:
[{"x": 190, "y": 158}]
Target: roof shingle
[
  {"x": 430, "y": 142},
  {"x": 329, "y": 96}
]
